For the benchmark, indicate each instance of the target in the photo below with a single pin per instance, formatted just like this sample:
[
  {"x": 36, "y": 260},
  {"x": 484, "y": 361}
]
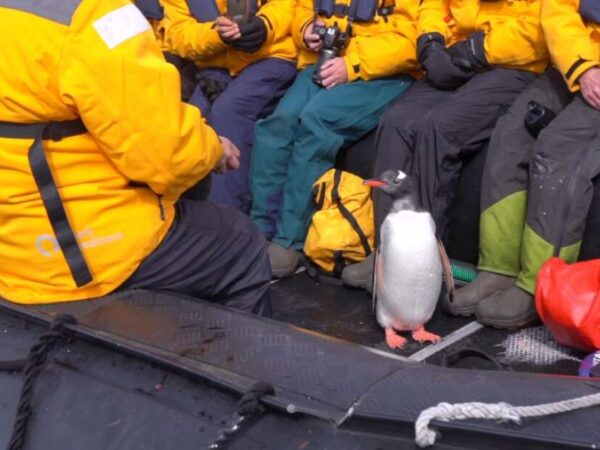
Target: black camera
[
  {"x": 537, "y": 118},
  {"x": 334, "y": 41}
]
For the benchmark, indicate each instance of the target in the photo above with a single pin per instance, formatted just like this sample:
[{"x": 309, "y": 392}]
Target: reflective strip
[{"x": 60, "y": 11}]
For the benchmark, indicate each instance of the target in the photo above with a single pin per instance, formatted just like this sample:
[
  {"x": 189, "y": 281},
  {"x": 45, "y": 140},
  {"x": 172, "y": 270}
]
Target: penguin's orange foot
[
  {"x": 421, "y": 335},
  {"x": 393, "y": 339}
]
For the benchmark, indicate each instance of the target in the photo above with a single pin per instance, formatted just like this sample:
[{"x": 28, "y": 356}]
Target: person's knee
[
  {"x": 223, "y": 110},
  {"x": 282, "y": 120},
  {"x": 437, "y": 119},
  {"x": 312, "y": 114},
  {"x": 400, "y": 119}
]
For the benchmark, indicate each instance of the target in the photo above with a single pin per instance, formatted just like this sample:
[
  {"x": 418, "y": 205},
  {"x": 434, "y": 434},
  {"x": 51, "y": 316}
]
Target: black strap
[
  {"x": 335, "y": 196},
  {"x": 338, "y": 263},
  {"x": 46, "y": 185},
  {"x": 340, "y": 10}
]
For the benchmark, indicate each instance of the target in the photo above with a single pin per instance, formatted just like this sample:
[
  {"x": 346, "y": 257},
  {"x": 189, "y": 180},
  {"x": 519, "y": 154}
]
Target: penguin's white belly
[{"x": 409, "y": 271}]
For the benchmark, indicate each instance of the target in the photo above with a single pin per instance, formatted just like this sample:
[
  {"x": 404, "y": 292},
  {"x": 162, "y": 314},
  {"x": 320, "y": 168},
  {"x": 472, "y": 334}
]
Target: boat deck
[{"x": 347, "y": 314}]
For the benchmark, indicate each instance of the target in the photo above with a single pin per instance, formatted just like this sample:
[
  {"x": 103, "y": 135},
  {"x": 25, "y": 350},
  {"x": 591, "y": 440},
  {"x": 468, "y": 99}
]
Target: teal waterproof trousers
[{"x": 296, "y": 144}]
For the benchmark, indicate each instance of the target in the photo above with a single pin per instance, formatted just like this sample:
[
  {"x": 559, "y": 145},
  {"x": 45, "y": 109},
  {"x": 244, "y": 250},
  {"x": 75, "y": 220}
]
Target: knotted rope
[
  {"x": 503, "y": 412},
  {"x": 31, "y": 369}
]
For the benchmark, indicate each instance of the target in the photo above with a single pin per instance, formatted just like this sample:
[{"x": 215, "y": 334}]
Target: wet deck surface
[{"x": 346, "y": 313}]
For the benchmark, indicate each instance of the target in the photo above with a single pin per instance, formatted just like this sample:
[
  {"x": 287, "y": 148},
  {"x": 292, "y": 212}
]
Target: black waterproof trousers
[
  {"x": 428, "y": 131},
  {"x": 211, "y": 252},
  {"x": 536, "y": 194}
]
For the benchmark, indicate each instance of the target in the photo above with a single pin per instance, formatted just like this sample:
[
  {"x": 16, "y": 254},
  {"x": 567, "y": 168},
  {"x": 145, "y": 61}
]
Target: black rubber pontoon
[{"x": 329, "y": 393}]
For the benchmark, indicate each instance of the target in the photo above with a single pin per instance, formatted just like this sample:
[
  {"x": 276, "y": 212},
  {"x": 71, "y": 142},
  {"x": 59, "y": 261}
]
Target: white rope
[{"x": 502, "y": 412}]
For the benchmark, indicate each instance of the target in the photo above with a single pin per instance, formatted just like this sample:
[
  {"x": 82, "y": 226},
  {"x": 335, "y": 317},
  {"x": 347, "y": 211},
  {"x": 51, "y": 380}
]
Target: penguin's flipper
[
  {"x": 447, "y": 270},
  {"x": 421, "y": 335},
  {"x": 376, "y": 278},
  {"x": 393, "y": 339}
]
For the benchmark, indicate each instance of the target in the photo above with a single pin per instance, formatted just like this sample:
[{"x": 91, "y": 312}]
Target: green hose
[{"x": 463, "y": 271}]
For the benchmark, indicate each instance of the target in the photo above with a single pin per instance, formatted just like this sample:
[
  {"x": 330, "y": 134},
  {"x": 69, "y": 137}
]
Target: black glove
[
  {"x": 211, "y": 88},
  {"x": 254, "y": 34},
  {"x": 442, "y": 73},
  {"x": 470, "y": 54}
]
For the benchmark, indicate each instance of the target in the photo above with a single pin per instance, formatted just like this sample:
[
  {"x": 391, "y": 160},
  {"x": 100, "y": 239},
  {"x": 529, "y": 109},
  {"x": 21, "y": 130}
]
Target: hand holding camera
[
  {"x": 311, "y": 39},
  {"x": 333, "y": 73},
  {"x": 334, "y": 40}
]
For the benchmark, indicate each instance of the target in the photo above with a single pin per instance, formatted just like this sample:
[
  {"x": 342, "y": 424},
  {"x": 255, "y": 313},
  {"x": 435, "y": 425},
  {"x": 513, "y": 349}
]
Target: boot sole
[{"x": 511, "y": 325}]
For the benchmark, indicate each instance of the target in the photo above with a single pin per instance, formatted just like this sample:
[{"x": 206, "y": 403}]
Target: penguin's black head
[{"x": 394, "y": 183}]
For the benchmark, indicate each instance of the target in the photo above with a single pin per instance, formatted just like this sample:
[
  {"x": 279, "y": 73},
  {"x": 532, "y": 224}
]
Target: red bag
[{"x": 567, "y": 298}]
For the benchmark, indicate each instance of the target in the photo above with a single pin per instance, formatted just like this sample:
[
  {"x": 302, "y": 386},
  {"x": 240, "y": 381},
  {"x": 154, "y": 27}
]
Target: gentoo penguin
[{"x": 408, "y": 263}]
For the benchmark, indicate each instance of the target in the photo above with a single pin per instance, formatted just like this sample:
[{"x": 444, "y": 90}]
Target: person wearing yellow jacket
[
  {"x": 356, "y": 57},
  {"x": 91, "y": 169},
  {"x": 537, "y": 183},
  {"x": 244, "y": 67},
  {"x": 478, "y": 55}
]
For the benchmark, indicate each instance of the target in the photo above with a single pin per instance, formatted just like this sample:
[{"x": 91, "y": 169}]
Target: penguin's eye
[{"x": 401, "y": 176}]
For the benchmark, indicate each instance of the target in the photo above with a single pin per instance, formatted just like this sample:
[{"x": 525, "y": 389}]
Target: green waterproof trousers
[
  {"x": 536, "y": 192},
  {"x": 296, "y": 144}
]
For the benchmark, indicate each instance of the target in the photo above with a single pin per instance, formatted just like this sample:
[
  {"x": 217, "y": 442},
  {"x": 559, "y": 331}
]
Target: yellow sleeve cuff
[{"x": 573, "y": 79}]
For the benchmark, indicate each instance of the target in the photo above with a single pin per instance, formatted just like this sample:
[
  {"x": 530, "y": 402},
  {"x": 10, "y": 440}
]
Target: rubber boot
[
  {"x": 510, "y": 309},
  {"x": 360, "y": 275},
  {"x": 284, "y": 261},
  {"x": 467, "y": 298}
]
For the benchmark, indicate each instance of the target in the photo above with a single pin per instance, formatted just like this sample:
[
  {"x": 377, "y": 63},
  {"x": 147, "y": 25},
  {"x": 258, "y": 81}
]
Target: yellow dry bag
[{"x": 342, "y": 229}]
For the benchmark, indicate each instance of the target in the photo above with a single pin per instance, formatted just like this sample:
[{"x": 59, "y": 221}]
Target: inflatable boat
[{"x": 151, "y": 370}]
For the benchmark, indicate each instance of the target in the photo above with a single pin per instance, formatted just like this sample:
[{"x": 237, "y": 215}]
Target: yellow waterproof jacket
[
  {"x": 97, "y": 60},
  {"x": 574, "y": 42},
  {"x": 513, "y": 32},
  {"x": 379, "y": 48},
  {"x": 201, "y": 43}
]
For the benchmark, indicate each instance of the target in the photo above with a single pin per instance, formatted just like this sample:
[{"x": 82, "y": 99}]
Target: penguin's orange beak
[{"x": 375, "y": 183}]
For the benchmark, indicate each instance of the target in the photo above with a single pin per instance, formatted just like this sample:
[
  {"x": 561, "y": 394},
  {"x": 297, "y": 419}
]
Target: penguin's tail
[{"x": 447, "y": 270}]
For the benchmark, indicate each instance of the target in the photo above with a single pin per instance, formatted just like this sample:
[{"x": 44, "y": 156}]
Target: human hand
[
  {"x": 227, "y": 29},
  {"x": 589, "y": 83},
  {"x": 253, "y": 35},
  {"x": 442, "y": 73},
  {"x": 312, "y": 40},
  {"x": 470, "y": 53},
  {"x": 333, "y": 73},
  {"x": 230, "y": 160}
]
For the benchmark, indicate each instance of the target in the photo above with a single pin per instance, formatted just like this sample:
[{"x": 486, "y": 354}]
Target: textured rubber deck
[
  {"x": 346, "y": 313},
  {"x": 343, "y": 312}
]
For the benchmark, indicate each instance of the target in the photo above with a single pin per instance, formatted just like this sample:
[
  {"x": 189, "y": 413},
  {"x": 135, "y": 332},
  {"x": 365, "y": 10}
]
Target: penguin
[{"x": 408, "y": 264}]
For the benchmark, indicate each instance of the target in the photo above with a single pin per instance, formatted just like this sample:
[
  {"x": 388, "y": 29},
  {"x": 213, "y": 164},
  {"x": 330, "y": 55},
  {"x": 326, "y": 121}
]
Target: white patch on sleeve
[{"x": 120, "y": 25}]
